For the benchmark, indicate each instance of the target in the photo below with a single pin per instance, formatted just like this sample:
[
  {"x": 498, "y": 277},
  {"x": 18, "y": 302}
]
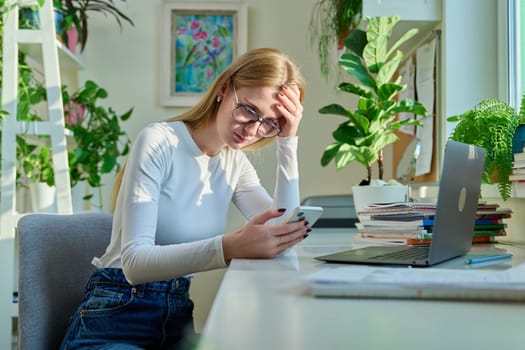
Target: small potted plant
[
  {"x": 76, "y": 13},
  {"x": 491, "y": 124},
  {"x": 370, "y": 127}
]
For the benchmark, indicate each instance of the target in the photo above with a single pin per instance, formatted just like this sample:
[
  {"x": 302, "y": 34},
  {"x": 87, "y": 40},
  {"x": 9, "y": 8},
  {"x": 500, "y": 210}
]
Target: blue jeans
[{"x": 117, "y": 315}]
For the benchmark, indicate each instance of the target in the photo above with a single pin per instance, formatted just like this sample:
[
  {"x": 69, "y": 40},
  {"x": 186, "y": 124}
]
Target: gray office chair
[{"x": 55, "y": 253}]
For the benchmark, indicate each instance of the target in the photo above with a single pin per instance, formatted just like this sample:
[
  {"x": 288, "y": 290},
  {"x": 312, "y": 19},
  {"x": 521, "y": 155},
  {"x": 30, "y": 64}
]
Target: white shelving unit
[{"x": 43, "y": 47}]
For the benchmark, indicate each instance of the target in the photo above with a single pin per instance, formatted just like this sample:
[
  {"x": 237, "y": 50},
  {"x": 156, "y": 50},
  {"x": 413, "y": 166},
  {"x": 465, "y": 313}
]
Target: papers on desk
[{"x": 428, "y": 283}]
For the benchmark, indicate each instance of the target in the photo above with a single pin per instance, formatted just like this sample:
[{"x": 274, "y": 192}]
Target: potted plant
[
  {"x": 76, "y": 13},
  {"x": 370, "y": 127},
  {"x": 97, "y": 136},
  {"x": 97, "y": 133},
  {"x": 99, "y": 139},
  {"x": 330, "y": 24},
  {"x": 33, "y": 156},
  {"x": 491, "y": 124},
  {"x": 34, "y": 169}
]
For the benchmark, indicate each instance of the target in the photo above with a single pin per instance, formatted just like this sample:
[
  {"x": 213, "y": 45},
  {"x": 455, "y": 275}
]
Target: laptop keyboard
[{"x": 412, "y": 253}]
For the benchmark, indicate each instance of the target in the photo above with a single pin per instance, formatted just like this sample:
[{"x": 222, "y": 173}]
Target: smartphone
[
  {"x": 308, "y": 213},
  {"x": 303, "y": 212}
]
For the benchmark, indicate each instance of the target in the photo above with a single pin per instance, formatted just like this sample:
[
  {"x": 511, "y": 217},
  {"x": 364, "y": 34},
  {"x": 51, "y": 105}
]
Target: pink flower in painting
[
  {"x": 195, "y": 25},
  {"x": 181, "y": 31},
  {"x": 200, "y": 36},
  {"x": 73, "y": 113},
  {"x": 215, "y": 42}
]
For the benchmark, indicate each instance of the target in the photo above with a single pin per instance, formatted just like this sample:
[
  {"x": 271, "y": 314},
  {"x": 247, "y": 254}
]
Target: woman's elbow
[{"x": 130, "y": 268}]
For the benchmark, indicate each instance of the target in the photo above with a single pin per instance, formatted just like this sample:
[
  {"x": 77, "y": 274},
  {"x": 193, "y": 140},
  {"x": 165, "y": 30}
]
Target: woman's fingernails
[
  {"x": 309, "y": 230},
  {"x": 281, "y": 210},
  {"x": 305, "y": 236}
]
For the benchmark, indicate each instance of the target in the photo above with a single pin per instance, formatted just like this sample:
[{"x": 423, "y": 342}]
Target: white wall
[{"x": 471, "y": 59}]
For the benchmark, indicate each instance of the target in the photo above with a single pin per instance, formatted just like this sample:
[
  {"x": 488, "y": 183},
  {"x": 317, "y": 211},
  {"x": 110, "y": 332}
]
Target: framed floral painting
[{"x": 200, "y": 41}]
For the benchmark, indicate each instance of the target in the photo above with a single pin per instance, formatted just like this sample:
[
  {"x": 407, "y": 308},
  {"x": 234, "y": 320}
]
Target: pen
[{"x": 483, "y": 259}]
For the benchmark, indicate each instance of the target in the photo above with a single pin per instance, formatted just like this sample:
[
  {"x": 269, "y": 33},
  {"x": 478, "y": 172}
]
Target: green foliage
[
  {"x": 99, "y": 138},
  {"x": 491, "y": 124},
  {"x": 370, "y": 126},
  {"x": 31, "y": 94},
  {"x": 35, "y": 162},
  {"x": 330, "y": 23},
  {"x": 34, "y": 154}
]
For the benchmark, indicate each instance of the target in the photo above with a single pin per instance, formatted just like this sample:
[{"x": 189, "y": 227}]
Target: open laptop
[{"x": 456, "y": 208}]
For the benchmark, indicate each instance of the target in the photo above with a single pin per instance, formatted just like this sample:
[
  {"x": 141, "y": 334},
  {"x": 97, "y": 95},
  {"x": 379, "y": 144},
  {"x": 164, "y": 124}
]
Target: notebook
[
  {"x": 436, "y": 283},
  {"x": 456, "y": 206}
]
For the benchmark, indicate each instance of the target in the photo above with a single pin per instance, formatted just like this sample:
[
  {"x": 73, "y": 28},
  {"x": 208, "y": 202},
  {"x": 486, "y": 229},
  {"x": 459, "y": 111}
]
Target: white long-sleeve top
[{"x": 172, "y": 206}]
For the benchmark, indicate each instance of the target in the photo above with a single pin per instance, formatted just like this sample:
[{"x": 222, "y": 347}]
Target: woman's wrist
[{"x": 228, "y": 247}]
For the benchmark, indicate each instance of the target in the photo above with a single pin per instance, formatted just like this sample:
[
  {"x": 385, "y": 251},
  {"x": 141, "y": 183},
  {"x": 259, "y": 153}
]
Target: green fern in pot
[{"x": 491, "y": 124}]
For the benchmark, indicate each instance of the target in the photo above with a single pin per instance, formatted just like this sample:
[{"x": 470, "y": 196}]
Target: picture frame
[{"x": 200, "y": 40}]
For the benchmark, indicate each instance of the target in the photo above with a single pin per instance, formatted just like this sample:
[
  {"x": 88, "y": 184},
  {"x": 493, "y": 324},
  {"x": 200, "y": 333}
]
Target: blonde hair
[{"x": 257, "y": 67}]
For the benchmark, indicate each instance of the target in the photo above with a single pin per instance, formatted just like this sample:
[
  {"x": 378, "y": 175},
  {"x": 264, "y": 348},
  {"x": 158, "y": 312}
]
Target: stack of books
[
  {"x": 410, "y": 223},
  {"x": 518, "y": 173}
]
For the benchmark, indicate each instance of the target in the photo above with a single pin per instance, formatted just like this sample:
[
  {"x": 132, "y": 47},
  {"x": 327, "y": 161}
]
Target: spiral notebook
[{"x": 456, "y": 207}]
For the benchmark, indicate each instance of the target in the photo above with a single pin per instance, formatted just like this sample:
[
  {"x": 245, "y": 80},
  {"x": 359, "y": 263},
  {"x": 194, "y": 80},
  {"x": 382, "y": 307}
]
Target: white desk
[{"x": 265, "y": 304}]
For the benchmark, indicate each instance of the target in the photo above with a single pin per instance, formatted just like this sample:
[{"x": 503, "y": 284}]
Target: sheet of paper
[
  {"x": 425, "y": 58},
  {"x": 421, "y": 277},
  {"x": 406, "y": 71}
]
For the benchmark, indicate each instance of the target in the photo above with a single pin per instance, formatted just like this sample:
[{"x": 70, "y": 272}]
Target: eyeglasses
[{"x": 246, "y": 115}]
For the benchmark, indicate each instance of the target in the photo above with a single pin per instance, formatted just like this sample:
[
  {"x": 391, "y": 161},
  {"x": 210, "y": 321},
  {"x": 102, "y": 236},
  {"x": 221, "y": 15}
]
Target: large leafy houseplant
[
  {"x": 491, "y": 124},
  {"x": 371, "y": 126}
]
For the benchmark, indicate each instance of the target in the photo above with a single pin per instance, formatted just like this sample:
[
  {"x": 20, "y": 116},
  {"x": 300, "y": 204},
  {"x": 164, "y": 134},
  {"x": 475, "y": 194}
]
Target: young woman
[{"x": 173, "y": 198}]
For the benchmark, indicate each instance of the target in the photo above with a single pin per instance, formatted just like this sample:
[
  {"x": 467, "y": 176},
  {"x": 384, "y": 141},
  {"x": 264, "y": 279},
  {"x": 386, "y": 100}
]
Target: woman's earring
[{"x": 219, "y": 98}]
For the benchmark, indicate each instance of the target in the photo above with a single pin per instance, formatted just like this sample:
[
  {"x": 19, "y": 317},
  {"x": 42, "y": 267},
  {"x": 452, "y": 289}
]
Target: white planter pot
[
  {"x": 43, "y": 197},
  {"x": 365, "y": 195}
]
